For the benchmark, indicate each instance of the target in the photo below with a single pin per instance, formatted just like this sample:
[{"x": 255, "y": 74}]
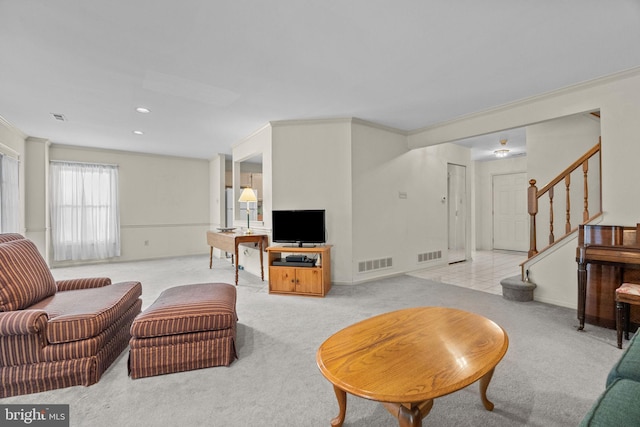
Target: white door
[
  {"x": 457, "y": 197},
  {"x": 510, "y": 217}
]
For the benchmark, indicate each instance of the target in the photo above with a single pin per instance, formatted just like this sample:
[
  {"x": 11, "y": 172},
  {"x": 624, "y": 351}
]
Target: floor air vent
[{"x": 374, "y": 264}]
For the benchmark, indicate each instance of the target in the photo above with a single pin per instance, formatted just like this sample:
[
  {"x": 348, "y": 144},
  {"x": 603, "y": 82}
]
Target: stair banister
[{"x": 534, "y": 195}]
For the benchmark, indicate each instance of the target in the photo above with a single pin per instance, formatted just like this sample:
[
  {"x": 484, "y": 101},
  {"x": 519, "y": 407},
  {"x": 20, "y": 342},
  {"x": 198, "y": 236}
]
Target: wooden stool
[{"x": 626, "y": 294}]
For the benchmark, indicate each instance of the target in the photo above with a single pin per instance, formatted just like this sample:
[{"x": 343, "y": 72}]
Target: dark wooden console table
[
  {"x": 229, "y": 242},
  {"x": 607, "y": 256}
]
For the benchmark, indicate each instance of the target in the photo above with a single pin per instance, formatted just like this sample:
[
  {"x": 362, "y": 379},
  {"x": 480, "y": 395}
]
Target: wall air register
[{"x": 374, "y": 264}]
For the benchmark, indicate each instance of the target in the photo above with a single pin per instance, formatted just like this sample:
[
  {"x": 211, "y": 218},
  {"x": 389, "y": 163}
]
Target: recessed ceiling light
[
  {"x": 138, "y": 132},
  {"x": 143, "y": 110}
]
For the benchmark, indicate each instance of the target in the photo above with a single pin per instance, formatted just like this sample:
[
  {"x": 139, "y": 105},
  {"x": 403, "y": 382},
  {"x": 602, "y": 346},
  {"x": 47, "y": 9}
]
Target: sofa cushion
[
  {"x": 81, "y": 314},
  {"x": 617, "y": 406},
  {"x": 8, "y": 237},
  {"x": 187, "y": 309},
  {"x": 24, "y": 277},
  {"x": 628, "y": 366}
]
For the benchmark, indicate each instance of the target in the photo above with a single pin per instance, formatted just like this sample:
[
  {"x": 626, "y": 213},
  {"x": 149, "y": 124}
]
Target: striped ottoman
[{"x": 187, "y": 327}]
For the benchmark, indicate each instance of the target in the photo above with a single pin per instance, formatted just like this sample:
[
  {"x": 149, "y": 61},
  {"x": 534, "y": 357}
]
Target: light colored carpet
[{"x": 550, "y": 375}]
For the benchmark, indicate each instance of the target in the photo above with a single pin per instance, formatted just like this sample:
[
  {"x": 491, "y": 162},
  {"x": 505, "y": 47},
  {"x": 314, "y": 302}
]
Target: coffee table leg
[
  {"x": 410, "y": 417},
  {"x": 341, "y": 395},
  {"x": 484, "y": 384},
  {"x": 410, "y": 414}
]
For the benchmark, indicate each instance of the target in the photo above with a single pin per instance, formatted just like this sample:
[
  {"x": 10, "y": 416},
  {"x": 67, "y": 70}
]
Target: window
[
  {"x": 9, "y": 195},
  {"x": 85, "y": 218}
]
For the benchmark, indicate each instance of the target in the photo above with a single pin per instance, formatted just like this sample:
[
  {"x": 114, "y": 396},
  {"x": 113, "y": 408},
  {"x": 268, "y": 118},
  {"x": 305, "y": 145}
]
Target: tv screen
[{"x": 298, "y": 226}]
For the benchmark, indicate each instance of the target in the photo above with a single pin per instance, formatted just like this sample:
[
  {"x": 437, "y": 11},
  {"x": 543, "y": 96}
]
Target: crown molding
[
  {"x": 339, "y": 120},
  {"x": 251, "y": 135},
  {"x": 368, "y": 123},
  {"x": 304, "y": 122},
  {"x": 54, "y": 145},
  {"x": 622, "y": 75},
  {"x": 4, "y": 122}
]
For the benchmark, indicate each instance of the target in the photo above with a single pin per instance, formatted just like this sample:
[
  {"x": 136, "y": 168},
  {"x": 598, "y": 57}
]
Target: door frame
[{"x": 466, "y": 214}]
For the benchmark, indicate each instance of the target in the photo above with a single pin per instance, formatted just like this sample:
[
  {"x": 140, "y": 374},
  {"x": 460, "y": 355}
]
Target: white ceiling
[{"x": 212, "y": 72}]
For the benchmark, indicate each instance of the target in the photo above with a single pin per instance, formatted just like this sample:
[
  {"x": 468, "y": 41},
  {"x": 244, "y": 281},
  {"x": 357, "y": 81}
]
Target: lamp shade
[{"x": 248, "y": 196}]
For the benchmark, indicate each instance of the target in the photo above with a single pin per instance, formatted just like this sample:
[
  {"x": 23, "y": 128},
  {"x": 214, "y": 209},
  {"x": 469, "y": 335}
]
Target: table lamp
[{"x": 248, "y": 196}]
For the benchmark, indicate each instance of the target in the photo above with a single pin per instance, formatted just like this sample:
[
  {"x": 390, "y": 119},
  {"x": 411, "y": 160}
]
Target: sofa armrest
[
  {"x": 628, "y": 366},
  {"x": 616, "y": 406},
  {"x": 23, "y": 322},
  {"x": 74, "y": 284}
]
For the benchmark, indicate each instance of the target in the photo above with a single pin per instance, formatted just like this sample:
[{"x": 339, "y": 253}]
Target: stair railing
[{"x": 534, "y": 195}]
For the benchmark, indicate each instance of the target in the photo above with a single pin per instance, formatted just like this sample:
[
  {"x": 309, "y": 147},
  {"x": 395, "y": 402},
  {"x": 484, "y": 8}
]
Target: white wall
[
  {"x": 570, "y": 137},
  {"x": 216, "y": 196},
  {"x": 164, "y": 201},
  {"x": 429, "y": 175},
  {"x": 618, "y": 100},
  {"x": 154, "y": 204},
  {"x": 312, "y": 170},
  {"x": 381, "y": 219},
  {"x": 36, "y": 169},
  {"x": 382, "y": 200}
]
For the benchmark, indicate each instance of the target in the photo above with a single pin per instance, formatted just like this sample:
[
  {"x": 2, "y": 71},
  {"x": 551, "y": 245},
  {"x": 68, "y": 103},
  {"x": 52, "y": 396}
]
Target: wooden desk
[
  {"x": 230, "y": 241},
  {"x": 407, "y": 358}
]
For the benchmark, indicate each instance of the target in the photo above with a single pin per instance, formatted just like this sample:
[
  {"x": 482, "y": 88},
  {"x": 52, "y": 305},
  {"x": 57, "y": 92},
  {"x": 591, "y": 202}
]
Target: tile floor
[{"x": 483, "y": 272}]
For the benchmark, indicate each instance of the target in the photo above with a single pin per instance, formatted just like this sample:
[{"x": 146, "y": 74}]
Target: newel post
[{"x": 532, "y": 204}]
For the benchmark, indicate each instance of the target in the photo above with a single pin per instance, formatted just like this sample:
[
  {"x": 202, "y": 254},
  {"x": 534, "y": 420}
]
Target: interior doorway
[
  {"x": 457, "y": 210},
  {"x": 510, "y": 217}
]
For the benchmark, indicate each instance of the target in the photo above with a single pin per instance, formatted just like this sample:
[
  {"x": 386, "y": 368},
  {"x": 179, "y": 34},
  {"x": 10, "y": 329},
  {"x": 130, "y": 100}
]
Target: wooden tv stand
[{"x": 299, "y": 280}]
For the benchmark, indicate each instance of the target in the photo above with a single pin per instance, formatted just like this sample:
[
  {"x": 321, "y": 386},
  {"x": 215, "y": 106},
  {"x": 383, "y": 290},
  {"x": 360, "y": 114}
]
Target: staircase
[
  {"x": 577, "y": 204},
  {"x": 545, "y": 197}
]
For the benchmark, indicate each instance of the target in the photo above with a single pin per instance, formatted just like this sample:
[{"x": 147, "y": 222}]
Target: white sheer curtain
[
  {"x": 9, "y": 195},
  {"x": 85, "y": 218}
]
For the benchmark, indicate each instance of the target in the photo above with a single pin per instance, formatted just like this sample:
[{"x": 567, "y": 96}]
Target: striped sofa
[{"x": 56, "y": 334}]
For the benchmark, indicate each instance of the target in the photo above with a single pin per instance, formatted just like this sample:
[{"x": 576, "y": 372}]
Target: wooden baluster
[
  {"x": 532, "y": 203},
  {"x": 551, "y": 237},
  {"x": 585, "y": 171},
  {"x": 567, "y": 183},
  {"x": 533, "y": 194}
]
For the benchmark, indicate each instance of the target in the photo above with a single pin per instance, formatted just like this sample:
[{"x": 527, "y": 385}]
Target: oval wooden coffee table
[{"x": 407, "y": 358}]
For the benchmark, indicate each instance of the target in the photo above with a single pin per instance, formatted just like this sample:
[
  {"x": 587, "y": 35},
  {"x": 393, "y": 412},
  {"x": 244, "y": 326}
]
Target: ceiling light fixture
[
  {"x": 138, "y": 132},
  {"x": 143, "y": 110},
  {"x": 503, "y": 152}
]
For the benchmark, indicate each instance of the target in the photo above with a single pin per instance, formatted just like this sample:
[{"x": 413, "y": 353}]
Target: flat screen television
[{"x": 298, "y": 226}]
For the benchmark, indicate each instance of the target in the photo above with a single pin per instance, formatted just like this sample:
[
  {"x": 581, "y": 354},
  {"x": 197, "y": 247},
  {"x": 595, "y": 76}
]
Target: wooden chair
[{"x": 626, "y": 294}]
